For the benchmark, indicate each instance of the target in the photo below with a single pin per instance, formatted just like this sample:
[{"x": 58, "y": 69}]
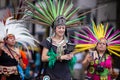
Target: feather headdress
[
  {"x": 22, "y": 35},
  {"x": 45, "y": 12},
  {"x": 88, "y": 37}
]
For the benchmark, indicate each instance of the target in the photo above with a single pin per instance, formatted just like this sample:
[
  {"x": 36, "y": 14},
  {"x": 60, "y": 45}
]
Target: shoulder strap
[{"x": 10, "y": 52}]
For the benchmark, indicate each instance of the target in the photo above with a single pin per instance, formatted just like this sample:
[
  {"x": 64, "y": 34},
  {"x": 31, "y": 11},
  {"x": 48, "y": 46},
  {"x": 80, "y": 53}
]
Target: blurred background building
[
  {"x": 107, "y": 11},
  {"x": 101, "y": 11}
]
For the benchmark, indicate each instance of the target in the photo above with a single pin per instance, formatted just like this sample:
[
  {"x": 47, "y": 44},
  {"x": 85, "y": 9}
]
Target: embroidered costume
[
  {"x": 103, "y": 74},
  {"x": 10, "y": 64},
  {"x": 52, "y": 13},
  {"x": 56, "y": 69}
]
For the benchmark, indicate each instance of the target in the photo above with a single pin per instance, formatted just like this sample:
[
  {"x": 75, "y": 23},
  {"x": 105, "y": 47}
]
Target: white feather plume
[{"x": 19, "y": 30}]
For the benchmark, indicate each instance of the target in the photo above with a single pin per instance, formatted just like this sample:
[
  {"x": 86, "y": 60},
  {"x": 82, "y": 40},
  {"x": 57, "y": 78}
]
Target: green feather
[
  {"x": 50, "y": 9},
  {"x": 77, "y": 38},
  {"x": 52, "y": 58},
  {"x": 74, "y": 20},
  {"x": 58, "y": 8},
  {"x": 62, "y": 7},
  {"x": 54, "y": 9},
  {"x": 45, "y": 10},
  {"x": 73, "y": 12},
  {"x": 37, "y": 17},
  {"x": 68, "y": 9},
  {"x": 38, "y": 10}
]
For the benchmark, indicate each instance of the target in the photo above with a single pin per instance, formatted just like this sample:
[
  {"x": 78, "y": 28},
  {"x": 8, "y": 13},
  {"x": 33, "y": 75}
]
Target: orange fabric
[
  {"x": 24, "y": 66},
  {"x": 24, "y": 58}
]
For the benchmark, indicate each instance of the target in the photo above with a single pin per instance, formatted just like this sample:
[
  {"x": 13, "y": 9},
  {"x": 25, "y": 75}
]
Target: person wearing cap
[{"x": 54, "y": 52}]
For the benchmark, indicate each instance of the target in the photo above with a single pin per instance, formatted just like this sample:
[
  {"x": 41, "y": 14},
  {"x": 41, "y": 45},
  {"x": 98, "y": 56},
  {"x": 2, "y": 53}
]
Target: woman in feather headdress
[
  {"x": 104, "y": 40},
  {"x": 13, "y": 33},
  {"x": 57, "y": 48}
]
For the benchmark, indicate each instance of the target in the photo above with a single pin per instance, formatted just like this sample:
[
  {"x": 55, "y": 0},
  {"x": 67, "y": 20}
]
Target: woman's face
[
  {"x": 11, "y": 40},
  {"x": 60, "y": 30},
  {"x": 102, "y": 45}
]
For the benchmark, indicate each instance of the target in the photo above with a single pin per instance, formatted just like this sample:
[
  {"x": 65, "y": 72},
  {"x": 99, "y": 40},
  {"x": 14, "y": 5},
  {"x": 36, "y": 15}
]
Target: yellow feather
[
  {"x": 114, "y": 52},
  {"x": 84, "y": 45},
  {"x": 115, "y": 48},
  {"x": 106, "y": 28}
]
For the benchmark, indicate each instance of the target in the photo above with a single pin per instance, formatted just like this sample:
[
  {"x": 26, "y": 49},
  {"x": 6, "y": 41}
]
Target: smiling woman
[
  {"x": 59, "y": 27},
  {"x": 54, "y": 52}
]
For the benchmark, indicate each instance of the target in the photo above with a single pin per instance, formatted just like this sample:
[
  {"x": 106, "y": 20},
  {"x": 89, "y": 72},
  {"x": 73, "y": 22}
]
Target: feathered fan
[
  {"x": 88, "y": 36},
  {"x": 22, "y": 35},
  {"x": 45, "y": 12}
]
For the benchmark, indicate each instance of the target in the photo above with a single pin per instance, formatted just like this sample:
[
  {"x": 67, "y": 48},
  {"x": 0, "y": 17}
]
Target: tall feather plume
[
  {"x": 22, "y": 35},
  {"x": 88, "y": 36},
  {"x": 44, "y": 13},
  {"x": 13, "y": 23}
]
